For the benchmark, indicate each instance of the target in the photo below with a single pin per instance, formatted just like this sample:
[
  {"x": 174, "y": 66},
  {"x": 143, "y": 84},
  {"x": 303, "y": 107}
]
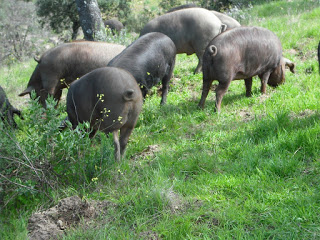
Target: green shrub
[
  {"x": 168, "y": 4},
  {"x": 38, "y": 158},
  {"x": 135, "y": 22}
]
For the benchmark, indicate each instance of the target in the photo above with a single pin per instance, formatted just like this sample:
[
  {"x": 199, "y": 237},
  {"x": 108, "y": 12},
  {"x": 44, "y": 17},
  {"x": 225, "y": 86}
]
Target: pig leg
[
  {"x": 9, "y": 119},
  {"x": 220, "y": 92},
  {"x": 57, "y": 96},
  {"x": 165, "y": 84},
  {"x": 206, "y": 85},
  {"x": 125, "y": 133},
  {"x": 264, "y": 80},
  {"x": 199, "y": 66},
  {"x": 93, "y": 133},
  {"x": 116, "y": 145},
  {"x": 205, "y": 91},
  {"x": 248, "y": 84}
]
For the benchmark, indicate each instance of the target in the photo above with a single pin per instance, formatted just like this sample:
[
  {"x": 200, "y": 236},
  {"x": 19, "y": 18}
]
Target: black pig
[
  {"x": 150, "y": 59},
  {"x": 110, "y": 100}
]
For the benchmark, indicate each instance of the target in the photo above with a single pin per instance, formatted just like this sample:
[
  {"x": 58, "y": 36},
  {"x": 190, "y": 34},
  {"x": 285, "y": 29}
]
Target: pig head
[{"x": 277, "y": 77}]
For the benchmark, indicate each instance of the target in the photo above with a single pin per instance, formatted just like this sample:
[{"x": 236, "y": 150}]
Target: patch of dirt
[
  {"x": 148, "y": 152},
  {"x": 213, "y": 87},
  {"x": 246, "y": 115},
  {"x": 300, "y": 52},
  {"x": 52, "y": 223},
  {"x": 211, "y": 221},
  {"x": 292, "y": 51},
  {"x": 263, "y": 97},
  {"x": 149, "y": 235},
  {"x": 305, "y": 113},
  {"x": 175, "y": 201},
  {"x": 173, "y": 82}
]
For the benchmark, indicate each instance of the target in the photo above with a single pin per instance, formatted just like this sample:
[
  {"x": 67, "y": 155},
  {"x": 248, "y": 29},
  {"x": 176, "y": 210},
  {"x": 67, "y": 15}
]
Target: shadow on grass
[{"x": 231, "y": 96}]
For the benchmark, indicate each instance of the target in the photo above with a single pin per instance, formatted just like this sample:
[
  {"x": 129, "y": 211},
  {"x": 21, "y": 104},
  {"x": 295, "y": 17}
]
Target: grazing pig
[
  {"x": 241, "y": 53},
  {"x": 60, "y": 66},
  {"x": 190, "y": 29},
  {"x": 7, "y": 110},
  {"x": 110, "y": 100},
  {"x": 114, "y": 25},
  {"x": 149, "y": 59}
]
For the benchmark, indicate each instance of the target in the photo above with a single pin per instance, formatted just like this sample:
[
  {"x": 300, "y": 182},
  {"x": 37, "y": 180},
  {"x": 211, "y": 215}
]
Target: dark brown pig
[
  {"x": 115, "y": 25},
  {"x": 241, "y": 53},
  {"x": 110, "y": 100},
  {"x": 150, "y": 59},
  {"x": 60, "y": 66},
  {"x": 7, "y": 111},
  {"x": 190, "y": 29}
]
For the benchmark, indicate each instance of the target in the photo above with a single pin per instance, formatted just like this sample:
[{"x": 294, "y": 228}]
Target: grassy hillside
[{"x": 251, "y": 172}]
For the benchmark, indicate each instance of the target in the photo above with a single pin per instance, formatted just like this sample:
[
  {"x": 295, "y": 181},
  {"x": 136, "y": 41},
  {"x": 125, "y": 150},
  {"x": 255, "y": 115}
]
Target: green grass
[
  {"x": 14, "y": 80},
  {"x": 251, "y": 172}
]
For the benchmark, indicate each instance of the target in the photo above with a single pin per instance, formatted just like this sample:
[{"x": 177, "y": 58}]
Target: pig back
[
  {"x": 148, "y": 58},
  {"x": 73, "y": 60}
]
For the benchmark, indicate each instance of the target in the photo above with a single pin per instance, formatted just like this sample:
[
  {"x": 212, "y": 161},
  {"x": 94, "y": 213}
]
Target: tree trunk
[
  {"x": 75, "y": 30},
  {"x": 90, "y": 20}
]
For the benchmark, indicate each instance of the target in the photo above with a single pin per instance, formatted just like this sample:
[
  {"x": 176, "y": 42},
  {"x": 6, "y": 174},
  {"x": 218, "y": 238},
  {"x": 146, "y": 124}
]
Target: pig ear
[
  {"x": 28, "y": 90},
  {"x": 37, "y": 59},
  {"x": 128, "y": 95},
  {"x": 223, "y": 27},
  {"x": 213, "y": 50},
  {"x": 289, "y": 64}
]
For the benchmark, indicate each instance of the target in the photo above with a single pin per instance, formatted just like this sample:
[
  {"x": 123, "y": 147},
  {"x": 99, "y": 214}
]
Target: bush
[
  {"x": 168, "y": 4},
  {"x": 224, "y": 5},
  {"x": 135, "y": 23},
  {"x": 39, "y": 158}
]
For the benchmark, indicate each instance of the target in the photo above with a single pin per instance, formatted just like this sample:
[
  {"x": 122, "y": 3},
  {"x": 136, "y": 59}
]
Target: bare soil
[{"x": 68, "y": 213}]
